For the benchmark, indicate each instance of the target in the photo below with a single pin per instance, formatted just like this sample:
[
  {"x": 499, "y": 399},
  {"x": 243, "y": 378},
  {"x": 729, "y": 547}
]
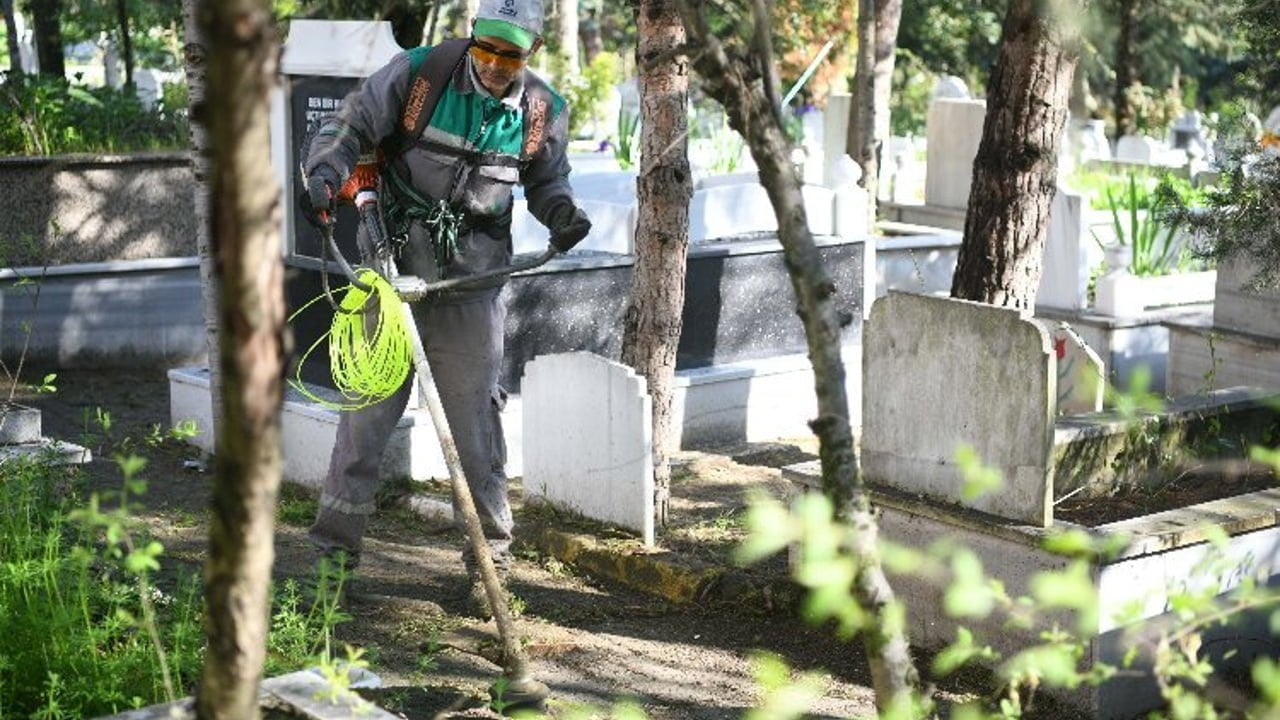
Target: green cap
[{"x": 514, "y": 34}]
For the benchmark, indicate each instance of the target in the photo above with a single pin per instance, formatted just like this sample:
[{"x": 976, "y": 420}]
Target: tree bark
[
  {"x": 46, "y": 19},
  {"x": 11, "y": 38},
  {"x": 738, "y": 89},
  {"x": 195, "y": 61},
  {"x": 567, "y": 34},
  {"x": 1126, "y": 71},
  {"x": 245, "y": 203},
  {"x": 1014, "y": 173},
  {"x": 888, "y": 18},
  {"x": 651, "y": 326},
  {"x": 865, "y": 145},
  {"x": 126, "y": 42}
]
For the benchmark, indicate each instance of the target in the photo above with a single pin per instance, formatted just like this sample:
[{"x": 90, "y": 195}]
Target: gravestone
[
  {"x": 950, "y": 87},
  {"x": 954, "y": 127},
  {"x": 588, "y": 439},
  {"x": 323, "y": 60},
  {"x": 1079, "y": 371},
  {"x": 942, "y": 373},
  {"x": 1137, "y": 149},
  {"x": 1068, "y": 250}
]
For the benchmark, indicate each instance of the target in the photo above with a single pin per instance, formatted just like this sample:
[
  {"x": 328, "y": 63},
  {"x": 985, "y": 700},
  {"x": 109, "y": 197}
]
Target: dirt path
[{"x": 591, "y": 643}]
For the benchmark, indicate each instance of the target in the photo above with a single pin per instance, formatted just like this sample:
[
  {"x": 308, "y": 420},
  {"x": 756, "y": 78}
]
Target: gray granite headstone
[{"x": 939, "y": 373}]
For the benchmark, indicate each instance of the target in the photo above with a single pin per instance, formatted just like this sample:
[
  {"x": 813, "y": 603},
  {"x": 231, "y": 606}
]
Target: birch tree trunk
[
  {"x": 1015, "y": 171},
  {"x": 243, "y": 51},
  {"x": 11, "y": 38},
  {"x": 567, "y": 34},
  {"x": 651, "y": 326},
  {"x": 195, "y": 57},
  {"x": 738, "y": 88}
]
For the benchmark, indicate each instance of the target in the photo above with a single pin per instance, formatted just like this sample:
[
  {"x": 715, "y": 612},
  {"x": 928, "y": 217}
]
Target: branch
[
  {"x": 760, "y": 17},
  {"x": 692, "y": 50}
]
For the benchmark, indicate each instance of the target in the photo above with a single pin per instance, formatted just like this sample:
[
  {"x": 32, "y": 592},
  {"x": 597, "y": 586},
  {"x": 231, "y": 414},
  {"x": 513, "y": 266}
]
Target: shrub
[
  {"x": 588, "y": 92},
  {"x": 44, "y": 116}
]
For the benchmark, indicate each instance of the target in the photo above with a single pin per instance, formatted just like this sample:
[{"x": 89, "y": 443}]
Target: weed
[{"x": 295, "y": 506}]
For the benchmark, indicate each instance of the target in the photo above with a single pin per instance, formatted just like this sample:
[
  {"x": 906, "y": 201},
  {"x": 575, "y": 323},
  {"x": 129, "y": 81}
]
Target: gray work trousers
[{"x": 463, "y": 340}]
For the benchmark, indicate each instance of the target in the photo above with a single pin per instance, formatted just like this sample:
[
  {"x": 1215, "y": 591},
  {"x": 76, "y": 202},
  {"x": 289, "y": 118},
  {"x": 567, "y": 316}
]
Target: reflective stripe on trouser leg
[{"x": 464, "y": 347}]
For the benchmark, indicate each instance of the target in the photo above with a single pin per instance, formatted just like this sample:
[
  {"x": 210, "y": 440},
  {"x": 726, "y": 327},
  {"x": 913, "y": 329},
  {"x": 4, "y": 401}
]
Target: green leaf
[
  {"x": 1070, "y": 588},
  {"x": 978, "y": 479},
  {"x": 139, "y": 562},
  {"x": 130, "y": 465},
  {"x": 770, "y": 528},
  {"x": 1267, "y": 456},
  {"x": 960, "y": 652},
  {"x": 969, "y": 595},
  {"x": 1266, "y": 678},
  {"x": 1053, "y": 664}
]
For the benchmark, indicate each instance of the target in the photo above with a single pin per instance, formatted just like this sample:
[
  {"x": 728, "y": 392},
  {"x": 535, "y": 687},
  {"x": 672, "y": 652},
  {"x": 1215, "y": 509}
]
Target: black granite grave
[{"x": 739, "y": 305}]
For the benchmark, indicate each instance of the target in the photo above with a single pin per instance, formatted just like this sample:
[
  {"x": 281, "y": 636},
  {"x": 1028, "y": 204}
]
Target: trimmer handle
[{"x": 412, "y": 289}]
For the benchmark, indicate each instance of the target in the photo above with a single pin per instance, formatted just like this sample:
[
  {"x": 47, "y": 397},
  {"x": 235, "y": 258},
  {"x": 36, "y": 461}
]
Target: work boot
[{"x": 478, "y": 600}]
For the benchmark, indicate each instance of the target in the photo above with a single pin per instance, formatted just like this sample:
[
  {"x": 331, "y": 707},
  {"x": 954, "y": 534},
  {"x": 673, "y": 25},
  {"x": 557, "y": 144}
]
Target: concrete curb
[{"x": 662, "y": 573}]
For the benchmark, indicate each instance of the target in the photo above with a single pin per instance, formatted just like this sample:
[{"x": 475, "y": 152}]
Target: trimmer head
[{"x": 523, "y": 693}]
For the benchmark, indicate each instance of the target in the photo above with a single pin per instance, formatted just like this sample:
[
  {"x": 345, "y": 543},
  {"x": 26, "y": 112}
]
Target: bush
[
  {"x": 587, "y": 93},
  {"x": 49, "y": 116}
]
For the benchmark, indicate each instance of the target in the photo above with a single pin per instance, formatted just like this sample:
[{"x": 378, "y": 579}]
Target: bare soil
[{"x": 591, "y": 641}]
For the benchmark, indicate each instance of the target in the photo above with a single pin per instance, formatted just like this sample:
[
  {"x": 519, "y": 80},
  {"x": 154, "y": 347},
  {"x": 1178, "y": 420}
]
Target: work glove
[
  {"x": 322, "y": 187},
  {"x": 568, "y": 225}
]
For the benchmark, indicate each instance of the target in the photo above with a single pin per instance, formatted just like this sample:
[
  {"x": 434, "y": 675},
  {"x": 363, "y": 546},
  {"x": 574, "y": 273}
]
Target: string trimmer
[{"x": 518, "y": 689}]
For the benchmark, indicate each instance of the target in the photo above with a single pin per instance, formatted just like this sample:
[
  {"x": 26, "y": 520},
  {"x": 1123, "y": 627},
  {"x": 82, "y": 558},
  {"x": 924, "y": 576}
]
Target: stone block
[
  {"x": 588, "y": 439},
  {"x": 309, "y": 430},
  {"x": 19, "y": 424},
  {"x": 941, "y": 373},
  {"x": 1137, "y": 149},
  {"x": 954, "y": 127},
  {"x": 1237, "y": 307}
]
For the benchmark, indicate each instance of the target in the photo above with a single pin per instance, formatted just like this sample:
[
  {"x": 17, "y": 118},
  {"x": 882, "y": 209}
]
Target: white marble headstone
[{"x": 587, "y": 427}]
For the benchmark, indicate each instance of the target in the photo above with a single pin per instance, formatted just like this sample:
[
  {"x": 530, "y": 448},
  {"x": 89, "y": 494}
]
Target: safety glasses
[{"x": 483, "y": 52}]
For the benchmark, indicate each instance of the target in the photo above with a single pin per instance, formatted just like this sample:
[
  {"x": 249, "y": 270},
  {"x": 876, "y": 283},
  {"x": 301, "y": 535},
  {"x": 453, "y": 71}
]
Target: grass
[
  {"x": 92, "y": 623},
  {"x": 296, "y": 505}
]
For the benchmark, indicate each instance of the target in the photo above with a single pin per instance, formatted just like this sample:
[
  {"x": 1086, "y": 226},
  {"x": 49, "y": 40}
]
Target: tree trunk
[
  {"x": 888, "y": 17},
  {"x": 245, "y": 203},
  {"x": 407, "y": 22},
  {"x": 126, "y": 42},
  {"x": 11, "y": 38},
  {"x": 864, "y": 145},
  {"x": 1126, "y": 74},
  {"x": 738, "y": 89},
  {"x": 567, "y": 34},
  {"x": 195, "y": 56},
  {"x": 46, "y": 19},
  {"x": 651, "y": 326},
  {"x": 1014, "y": 173}
]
